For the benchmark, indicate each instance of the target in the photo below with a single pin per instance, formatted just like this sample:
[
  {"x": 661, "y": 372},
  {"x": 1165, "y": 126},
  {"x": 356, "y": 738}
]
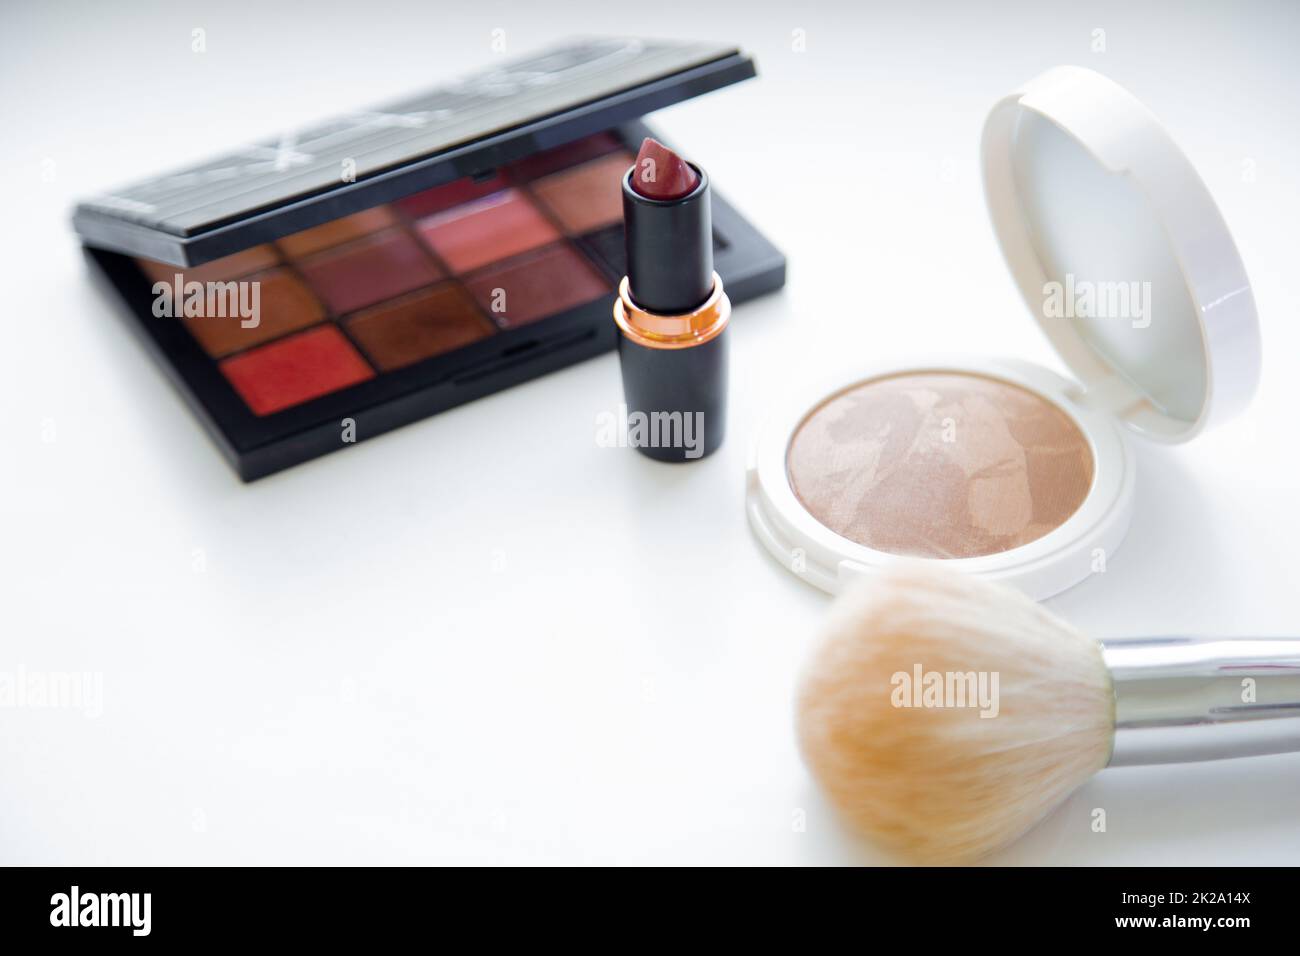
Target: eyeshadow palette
[
  {"x": 372, "y": 314},
  {"x": 394, "y": 285}
]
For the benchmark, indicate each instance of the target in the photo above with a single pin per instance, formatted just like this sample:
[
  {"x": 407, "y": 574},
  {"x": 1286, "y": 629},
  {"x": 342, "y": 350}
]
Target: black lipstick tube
[{"x": 672, "y": 315}]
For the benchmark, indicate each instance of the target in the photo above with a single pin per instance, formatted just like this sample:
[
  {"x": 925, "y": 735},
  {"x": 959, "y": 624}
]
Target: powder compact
[
  {"x": 407, "y": 259},
  {"x": 995, "y": 466}
]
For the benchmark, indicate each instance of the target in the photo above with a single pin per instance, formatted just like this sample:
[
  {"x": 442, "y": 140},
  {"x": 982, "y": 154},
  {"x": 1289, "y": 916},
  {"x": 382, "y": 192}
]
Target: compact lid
[
  {"x": 467, "y": 128},
  {"x": 1121, "y": 254}
]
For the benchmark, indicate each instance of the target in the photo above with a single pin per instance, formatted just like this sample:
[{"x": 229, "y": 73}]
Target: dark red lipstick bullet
[
  {"x": 672, "y": 312},
  {"x": 662, "y": 174}
]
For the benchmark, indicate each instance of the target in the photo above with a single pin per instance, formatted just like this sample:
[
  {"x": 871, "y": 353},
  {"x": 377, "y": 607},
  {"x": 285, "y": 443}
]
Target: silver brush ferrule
[{"x": 1184, "y": 699}]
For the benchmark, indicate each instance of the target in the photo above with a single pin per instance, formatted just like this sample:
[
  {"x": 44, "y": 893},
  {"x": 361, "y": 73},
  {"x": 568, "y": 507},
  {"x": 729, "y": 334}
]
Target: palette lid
[
  {"x": 1121, "y": 254},
  {"x": 467, "y": 128}
]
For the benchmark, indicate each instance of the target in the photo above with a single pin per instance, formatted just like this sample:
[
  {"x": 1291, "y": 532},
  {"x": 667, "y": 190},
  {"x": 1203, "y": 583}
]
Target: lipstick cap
[{"x": 669, "y": 247}]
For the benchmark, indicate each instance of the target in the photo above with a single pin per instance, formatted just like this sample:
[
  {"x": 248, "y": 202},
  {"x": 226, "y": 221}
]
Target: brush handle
[{"x": 1184, "y": 699}]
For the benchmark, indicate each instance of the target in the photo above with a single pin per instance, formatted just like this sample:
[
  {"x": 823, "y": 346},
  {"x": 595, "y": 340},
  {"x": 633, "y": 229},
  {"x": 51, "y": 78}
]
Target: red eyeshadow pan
[
  {"x": 486, "y": 230},
  {"x": 562, "y": 157},
  {"x": 439, "y": 198},
  {"x": 296, "y": 369},
  {"x": 369, "y": 270},
  {"x": 534, "y": 286}
]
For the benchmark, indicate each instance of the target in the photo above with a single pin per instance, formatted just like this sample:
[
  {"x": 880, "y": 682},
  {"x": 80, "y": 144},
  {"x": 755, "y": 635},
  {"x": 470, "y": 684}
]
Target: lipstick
[{"x": 671, "y": 311}]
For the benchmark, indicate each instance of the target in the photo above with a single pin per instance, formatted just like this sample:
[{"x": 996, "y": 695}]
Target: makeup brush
[{"x": 946, "y": 715}]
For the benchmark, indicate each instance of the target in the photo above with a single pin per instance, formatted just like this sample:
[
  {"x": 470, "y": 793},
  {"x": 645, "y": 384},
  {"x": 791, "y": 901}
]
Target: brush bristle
[{"x": 944, "y": 784}]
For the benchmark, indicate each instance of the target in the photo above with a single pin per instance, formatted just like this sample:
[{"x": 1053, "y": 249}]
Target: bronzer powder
[{"x": 939, "y": 465}]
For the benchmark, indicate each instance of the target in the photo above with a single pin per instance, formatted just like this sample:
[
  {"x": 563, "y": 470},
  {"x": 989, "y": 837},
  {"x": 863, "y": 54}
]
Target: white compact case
[{"x": 1083, "y": 184}]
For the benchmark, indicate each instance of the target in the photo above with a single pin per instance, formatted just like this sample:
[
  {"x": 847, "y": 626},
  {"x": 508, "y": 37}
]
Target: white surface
[{"x": 483, "y": 638}]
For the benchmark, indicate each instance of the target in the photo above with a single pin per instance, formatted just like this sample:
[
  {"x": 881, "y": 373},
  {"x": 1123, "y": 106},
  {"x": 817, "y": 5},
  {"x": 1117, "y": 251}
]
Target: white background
[{"x": 482, "y": 638}]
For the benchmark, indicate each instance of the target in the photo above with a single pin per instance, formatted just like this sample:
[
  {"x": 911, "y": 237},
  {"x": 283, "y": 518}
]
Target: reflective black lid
[{"x": 338, "y": 167}]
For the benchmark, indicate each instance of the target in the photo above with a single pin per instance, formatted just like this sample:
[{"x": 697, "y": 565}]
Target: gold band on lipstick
[{"x": 658, "y": 331}]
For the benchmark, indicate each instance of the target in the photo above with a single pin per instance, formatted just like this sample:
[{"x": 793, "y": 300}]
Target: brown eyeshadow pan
[
  {"x": 536, "y": 284},
  {"x": 284, "y": 305},
  {"x": 587, "y": 198},
  {"x": 940, "y": 465},
  {"x": 418, "y": 326}
]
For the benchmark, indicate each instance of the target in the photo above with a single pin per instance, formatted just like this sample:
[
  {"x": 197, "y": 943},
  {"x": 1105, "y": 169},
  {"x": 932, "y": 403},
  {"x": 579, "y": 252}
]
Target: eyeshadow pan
[
  {"x": 486, "y": 230},
  {"x": 369, "y": 270},
  {"x": 426, "y": 203},
  {"x": 295, "y": 369},
  {"x": 939, "y": 465},
  {"x": 284, "y": 305},
  {"x": 561, "y": 157},
  {"x": 536, "y": 285},
  {"x": 419, "y": 326},
  {"x": 588, "y": 197},
  {"x": 337, "y": 232},
  {"x": 253, "y": 259}
]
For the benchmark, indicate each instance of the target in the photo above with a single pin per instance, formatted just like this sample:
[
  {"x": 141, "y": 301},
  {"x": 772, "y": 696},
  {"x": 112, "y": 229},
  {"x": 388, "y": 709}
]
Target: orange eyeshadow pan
[
  {"x": 587, "y": 198},
  {"x": 337, "y": 232},
  {"x": 284, "y": 305}
]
